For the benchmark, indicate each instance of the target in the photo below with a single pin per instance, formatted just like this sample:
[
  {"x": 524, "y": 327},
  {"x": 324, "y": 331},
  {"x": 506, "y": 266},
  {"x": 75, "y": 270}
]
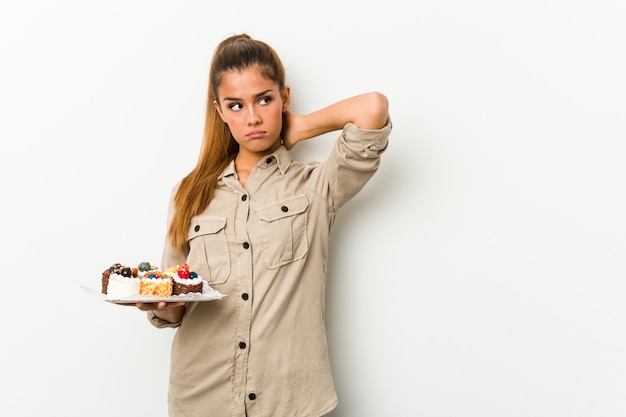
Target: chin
[{"x": 264, "y": 147}]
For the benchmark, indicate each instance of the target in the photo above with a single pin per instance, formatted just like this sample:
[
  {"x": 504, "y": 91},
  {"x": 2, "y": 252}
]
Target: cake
[
  {"x": 156, "y": 284},
  {"x": 153, "y": 282},
  {"x": 119, "y": 281},
  {"x": 185, "y": 281}
]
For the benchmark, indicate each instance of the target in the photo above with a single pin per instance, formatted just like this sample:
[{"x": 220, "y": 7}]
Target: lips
[{"x": 256, "y": 134}]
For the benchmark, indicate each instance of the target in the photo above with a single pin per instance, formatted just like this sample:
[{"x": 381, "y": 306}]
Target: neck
[{"x": 248, "y": 159}]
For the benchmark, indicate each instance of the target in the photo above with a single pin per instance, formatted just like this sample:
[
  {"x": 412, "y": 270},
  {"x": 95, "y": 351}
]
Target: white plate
[{"x": 207, "y": 294}]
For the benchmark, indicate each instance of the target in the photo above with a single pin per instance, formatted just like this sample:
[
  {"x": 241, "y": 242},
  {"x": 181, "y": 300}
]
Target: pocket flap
[
  {"x": 283, "y": 208},
  {"x": 205, "y": 225}
]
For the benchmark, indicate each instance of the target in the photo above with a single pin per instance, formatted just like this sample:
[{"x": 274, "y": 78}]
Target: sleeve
[
  {"x": 353, "y": 161},
  {"x": 169, "y": 258},
  {"x": 159, "y": 323}
]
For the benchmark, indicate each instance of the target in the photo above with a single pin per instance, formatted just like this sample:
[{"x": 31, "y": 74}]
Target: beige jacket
[{"x": 262, "y": 349}]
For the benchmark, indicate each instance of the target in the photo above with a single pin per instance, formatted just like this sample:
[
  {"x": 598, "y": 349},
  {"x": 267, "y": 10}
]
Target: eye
[
  {"x": 265, "y": 100},
  {"x": 234, "y": 106}
]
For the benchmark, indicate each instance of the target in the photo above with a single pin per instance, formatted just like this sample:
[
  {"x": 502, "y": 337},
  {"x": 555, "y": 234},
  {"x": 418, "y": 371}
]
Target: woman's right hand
[
  {"x": 290, "y": 133},
  {"x": 172, "y": 312}
]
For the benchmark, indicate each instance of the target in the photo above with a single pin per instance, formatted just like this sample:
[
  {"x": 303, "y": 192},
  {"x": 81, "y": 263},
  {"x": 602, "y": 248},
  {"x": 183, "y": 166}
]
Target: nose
[{"x": 253, "y": 116}]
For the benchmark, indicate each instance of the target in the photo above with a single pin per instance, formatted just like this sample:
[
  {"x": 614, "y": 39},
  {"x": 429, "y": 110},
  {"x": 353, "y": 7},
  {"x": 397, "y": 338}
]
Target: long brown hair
[{"x": 219, "y": 148}]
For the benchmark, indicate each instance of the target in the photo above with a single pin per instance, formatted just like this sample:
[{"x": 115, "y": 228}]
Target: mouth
[{"x": 256, "y": 134}]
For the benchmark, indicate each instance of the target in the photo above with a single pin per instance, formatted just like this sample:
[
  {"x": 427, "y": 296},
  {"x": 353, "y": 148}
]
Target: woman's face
[{"x": 252, "y": 107}]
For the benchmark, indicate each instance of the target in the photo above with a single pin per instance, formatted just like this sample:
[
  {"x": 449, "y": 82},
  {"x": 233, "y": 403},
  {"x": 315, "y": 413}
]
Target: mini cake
[
  {"x": 184, "y": 280},
  {"x": 119, "y": 281},
  {"x": 156, "y": 284}
]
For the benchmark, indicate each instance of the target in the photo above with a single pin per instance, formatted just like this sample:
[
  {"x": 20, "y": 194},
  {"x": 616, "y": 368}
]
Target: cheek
[
  {"x": 233, "y": 120},
  {"x": 274, "y": 114}
]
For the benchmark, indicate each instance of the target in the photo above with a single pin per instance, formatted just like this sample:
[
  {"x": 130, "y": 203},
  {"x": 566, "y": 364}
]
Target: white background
[{"x": 480, "y": 273}]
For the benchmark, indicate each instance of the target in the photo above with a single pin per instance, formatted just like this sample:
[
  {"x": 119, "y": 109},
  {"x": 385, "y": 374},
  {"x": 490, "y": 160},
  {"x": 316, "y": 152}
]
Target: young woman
[{"x": 255, "y": 224}]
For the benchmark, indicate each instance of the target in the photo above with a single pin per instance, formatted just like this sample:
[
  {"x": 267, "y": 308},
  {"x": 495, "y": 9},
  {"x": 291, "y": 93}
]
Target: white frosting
[
  {"x": 152, "y": 271},
  {"x": 187, "y": 281},
  {"x": 120, "y": 287},
  {"x": 155, "y": 280}
]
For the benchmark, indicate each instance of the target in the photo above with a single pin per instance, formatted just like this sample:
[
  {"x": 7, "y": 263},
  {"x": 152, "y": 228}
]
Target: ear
[
  {"x": 219, "y": 110},
  {"x": 286, "y": 98}
]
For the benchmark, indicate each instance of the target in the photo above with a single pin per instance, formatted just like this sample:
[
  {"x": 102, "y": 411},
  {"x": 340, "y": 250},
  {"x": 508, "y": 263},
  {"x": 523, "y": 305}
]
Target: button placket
[{"x": 244, "y": 284}]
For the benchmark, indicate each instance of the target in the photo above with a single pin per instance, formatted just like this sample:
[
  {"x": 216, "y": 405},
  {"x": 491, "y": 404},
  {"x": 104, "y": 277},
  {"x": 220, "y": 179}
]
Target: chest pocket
[
  {"x": 208, "y": 248},
  {"x": 284, "y": 227}
]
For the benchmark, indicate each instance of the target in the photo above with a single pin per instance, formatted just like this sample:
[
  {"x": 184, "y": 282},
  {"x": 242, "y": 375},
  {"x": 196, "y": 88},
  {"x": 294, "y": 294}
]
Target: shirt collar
[{"x": 280, "y": 156}]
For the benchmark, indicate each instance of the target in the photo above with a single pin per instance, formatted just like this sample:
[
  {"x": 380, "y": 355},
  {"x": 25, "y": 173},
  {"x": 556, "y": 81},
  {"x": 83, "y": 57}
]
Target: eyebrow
[{"x": 257, "y": 95}]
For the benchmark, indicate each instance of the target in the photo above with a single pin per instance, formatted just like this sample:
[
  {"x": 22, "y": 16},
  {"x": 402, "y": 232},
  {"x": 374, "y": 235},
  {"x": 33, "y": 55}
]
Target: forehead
[{"x": 245, "y": 84}]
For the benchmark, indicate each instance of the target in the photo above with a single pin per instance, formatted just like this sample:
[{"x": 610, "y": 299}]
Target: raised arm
[{"x": 367, "y": 111}]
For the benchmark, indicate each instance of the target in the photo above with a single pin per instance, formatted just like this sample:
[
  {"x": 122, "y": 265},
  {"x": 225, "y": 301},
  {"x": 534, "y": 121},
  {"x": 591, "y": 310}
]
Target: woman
[{"x": 255, "y": 224}]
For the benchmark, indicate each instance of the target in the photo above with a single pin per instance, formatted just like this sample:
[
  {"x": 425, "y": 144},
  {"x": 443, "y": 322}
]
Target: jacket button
[
  {"x": 285, "y": 209},
  {"x": 197, "y": 228},
  {"x": 252, "y": 396},
  {"x": 246, "y": 245},
  {"x": 268, "y": 160},
  {"x": 242, "y": 345},
  {"x": 244, "y": 197},
  {"x": 245, "y": 296}
]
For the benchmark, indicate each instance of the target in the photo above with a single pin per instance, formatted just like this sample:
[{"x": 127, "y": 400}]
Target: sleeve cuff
[
  {"x": 159, "y": 323},
  {"x": 375, "y": 139}
]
